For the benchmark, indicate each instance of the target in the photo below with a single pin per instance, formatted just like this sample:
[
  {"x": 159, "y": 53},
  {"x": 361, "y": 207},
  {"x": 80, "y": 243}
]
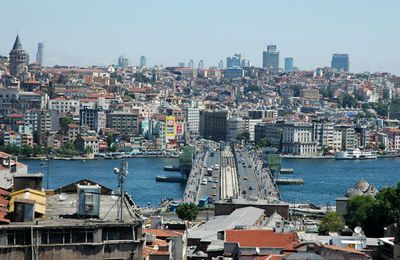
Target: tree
[
  {"x": 187, "y": 211},
  {"x": 263, "y": 142},
  {"x": 67, "y": 120},
  {"x": 331, "y": 222},
  {"x": 358, "y": 209},
  {"x": 245, "y": 135},
  {"x": 88, "y": 150},
  {"x": 382, "y": 146}
]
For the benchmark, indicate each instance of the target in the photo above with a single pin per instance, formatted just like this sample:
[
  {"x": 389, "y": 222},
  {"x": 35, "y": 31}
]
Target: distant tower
[
  {"x": 143, "y": 61},
  {"x": 201, "y": 65},
  {"x": 289, "y": 64},
  {"x": 39, "y": 54},
  {"x": 271, "y": 58},
  {"x": 340, "y": 62},
  {"x": 18, "y": 58},
  {"x": 122, "y": 61},
  {"x": 220, "y": 64},
  {"x": 191, "y": 64}
]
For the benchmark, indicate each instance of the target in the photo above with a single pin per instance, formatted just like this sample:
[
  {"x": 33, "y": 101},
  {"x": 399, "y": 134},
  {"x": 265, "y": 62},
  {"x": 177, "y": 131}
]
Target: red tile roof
[
  {"x": 262, "y": 238},
  {"x": 344, "y": 249},
  {"x": 162, "y": 233}
]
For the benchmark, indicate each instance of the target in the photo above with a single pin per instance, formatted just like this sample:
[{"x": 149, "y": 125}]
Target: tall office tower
[
  {"x": 234, "y": 61},
  {"x": 289, "y": 64},
  {"x": 271, "y": 58},
  {"x": 143, "y": 61},
  {"x": 340, "y": 62},
  {"x": 201, "y": 65},
  {"x": 220, "y": 64},
  {"x": 122, "y": 61},
  {"x": 191, "y": 64},
  {"x": 181, "y": 64},
  {"x": 39, "y": 53},
  {"x": 18, "y": 58}
]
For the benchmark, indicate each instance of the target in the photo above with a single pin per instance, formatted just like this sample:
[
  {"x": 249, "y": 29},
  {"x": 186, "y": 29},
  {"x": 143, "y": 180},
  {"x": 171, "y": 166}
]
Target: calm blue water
[
  {"x": 325, "y": 180},
  {"x": 140, "y": 182}
]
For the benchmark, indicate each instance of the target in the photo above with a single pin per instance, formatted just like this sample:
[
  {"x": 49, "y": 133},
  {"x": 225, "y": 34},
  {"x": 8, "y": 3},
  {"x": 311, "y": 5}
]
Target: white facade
[
  {"x": 298, "y": 139},
  {"x": 64, "y": 106}
]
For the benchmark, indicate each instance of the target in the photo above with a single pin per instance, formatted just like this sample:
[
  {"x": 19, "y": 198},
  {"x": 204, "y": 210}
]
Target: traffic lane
[{"x": 248, "y": 177}]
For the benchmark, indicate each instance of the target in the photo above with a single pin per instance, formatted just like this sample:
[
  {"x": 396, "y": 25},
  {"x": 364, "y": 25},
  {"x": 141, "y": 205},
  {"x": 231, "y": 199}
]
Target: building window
[
  {"x": 18, "y": 237},
  {"x": 66, "y": 236}
]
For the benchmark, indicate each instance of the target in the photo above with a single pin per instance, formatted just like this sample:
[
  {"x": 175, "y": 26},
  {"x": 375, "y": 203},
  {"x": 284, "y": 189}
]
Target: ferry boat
[{"x": 354, "y": 154}]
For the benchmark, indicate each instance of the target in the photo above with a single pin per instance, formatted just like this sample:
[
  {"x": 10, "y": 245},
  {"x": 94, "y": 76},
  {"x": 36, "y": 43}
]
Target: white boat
[{"x": 354, "y": 154}]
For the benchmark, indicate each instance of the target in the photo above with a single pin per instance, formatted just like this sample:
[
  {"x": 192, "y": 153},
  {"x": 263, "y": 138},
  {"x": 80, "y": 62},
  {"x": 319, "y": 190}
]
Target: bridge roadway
[{"x": 229, "y": 181}]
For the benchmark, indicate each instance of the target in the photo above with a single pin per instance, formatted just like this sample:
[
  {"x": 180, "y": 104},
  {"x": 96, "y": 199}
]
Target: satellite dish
[{"x": 358, "y": 230}]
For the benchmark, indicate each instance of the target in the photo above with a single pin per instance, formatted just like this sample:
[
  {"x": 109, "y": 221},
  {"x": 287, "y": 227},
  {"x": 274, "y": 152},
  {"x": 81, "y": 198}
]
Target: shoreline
[
  {"x": 92, "y": 159},
  {"x": 328, "y": 157}
]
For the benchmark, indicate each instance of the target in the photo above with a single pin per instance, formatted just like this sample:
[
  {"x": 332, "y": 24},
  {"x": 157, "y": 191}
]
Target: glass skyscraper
[
  {"x": 340, "y": 62},
  {"x": 271, "y": 58},
  {"x": 289, "y": 64}
]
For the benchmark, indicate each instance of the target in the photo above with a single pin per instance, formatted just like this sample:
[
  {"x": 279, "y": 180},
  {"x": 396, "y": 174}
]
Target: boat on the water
[{"x": 355, "y": 154}]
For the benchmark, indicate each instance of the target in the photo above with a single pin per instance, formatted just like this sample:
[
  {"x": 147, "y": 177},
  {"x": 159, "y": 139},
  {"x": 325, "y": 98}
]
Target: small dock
[
  {"x": 171, "y": 168},
  {"x": 287, "y": 171},
  {"x": 290, "y": 181}
]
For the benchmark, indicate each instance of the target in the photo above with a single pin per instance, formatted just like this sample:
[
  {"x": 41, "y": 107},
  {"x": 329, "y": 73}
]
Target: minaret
[{"x": 17, "y": 58}]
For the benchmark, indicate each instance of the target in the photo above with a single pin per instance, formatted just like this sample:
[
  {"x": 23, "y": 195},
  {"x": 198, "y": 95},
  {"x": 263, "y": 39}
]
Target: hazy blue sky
[{"x": 87, "y": 32}]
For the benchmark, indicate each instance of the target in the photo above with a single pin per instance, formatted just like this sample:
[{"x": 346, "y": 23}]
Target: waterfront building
[
  {"x": 213, "y": 125},
  {"x": 250, "y": 125},
  {"x": 125, "y": 123},
  {"x": 143, "y": 61},
  {"x": 40, "y": 54},
  {"x": 298, "y": 139},
  {"x": 289, "y": 64},
  {"x": 123, "y": 62},
  {"x": 10, "y": 167},
  {"x": 18, "y": 58},
  {"x": 271, "y": 131},
  {"x": 348, "y": 136},
  {"x": 340, "y": 62},
  {"x": 192, "y": 120},
  {"x": 235, "y": 126},
  {"x": 94, "y": 119},
  {"x": 271, "y": 58},
  {"x": 83, "y": 143}
]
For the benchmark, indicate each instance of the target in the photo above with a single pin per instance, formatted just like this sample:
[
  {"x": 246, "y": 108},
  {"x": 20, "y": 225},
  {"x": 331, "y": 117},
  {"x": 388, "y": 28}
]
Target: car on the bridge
[
  {"x": 213, "y": 193},
  {"x": 214, "y": 186},
  {"x": 204, "y": 182},
  {"x": 215, "y": 180},
  {"x": 245, "y": 178}
]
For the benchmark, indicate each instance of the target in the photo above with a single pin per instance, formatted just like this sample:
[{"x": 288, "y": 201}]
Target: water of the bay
[
  {"x": 325, "y": 180},
  {"x": 140, "y": 183}
]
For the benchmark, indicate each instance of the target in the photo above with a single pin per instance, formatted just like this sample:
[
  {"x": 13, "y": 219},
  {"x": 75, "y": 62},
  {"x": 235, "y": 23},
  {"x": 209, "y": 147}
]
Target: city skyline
[{"x": 309, "y": 32}]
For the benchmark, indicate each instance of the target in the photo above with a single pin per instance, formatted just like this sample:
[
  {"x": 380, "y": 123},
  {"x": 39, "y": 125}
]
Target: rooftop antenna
[{"x": 121, "y": 173}]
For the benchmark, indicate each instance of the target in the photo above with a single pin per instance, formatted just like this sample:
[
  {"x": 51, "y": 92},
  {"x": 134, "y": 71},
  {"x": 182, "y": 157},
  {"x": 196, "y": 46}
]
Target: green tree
[
  {"x": 88, "y": 150},
  {"x": 264, "y": 142},
  {"x": 187, "y": 211},
  {"x": 358, "y": 209},
  {"x": 331, "y": 222},
  {"x": 245, "y": 135},
  {"x": 382, "y": 146},
  {"x": 67, "y": 120},
  {"x": 26, "y": 150}
]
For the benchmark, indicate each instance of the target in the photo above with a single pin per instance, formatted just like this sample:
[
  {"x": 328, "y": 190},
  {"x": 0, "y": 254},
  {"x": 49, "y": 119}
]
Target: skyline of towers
[
  {"x": 18, "y": 58},
  {"x": 40, "y": 54}
]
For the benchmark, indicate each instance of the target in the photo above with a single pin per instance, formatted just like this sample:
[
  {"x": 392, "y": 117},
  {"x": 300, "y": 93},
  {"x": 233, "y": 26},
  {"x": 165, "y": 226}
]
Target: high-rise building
[
  {"x": 234, "y": 61},
  {"x": 39, "y": 53},
  {"x": 220, "y": 64},
  {"x": 123, "y": 61},
  {"x": 340, "y": 62},
  {"x": 271, "y": 58},
  {"x": 201, "y": 65},
  {"x": 18, "y": 58},
  {"x": 213, "y": 125},
  {"x": 143, "y": 61},
  {"x": 191, "y": 64},
  {"x": 181, "y": 64},
  {"x": 289, "y": 64}
]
